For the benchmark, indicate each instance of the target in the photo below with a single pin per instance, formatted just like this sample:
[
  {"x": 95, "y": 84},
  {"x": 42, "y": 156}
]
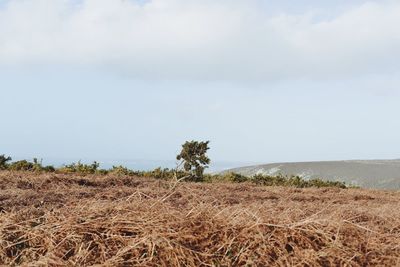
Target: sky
[{"x": 264, "y": 81}]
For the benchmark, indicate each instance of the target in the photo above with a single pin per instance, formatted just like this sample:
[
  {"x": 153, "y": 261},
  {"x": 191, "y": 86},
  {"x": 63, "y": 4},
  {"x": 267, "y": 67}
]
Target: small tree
[
  {"x": 3, "y": 162},
  {"x": 194, "y": 159}
]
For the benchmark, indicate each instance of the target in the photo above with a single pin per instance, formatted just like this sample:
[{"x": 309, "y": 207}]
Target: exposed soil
[{"x": 57, "y": 220}]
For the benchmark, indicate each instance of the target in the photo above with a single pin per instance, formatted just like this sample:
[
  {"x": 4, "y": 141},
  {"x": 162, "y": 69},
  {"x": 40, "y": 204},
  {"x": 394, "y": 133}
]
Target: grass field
[{"x": 67, "y": 219}]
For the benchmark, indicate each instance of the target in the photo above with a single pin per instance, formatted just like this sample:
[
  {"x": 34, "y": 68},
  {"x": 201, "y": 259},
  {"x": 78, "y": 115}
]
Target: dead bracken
[{"x": 50, "y": 219}]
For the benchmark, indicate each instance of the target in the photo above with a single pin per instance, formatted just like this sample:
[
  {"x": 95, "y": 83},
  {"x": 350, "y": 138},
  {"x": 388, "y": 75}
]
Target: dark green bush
[
  {"x": 165, "y": 174},
  {"x": 267, "y": 180},
  {"x": 322, "y": 183},
  {"x": 24, "y": 165},
  {"x": 48, "y": 169},
  {"x": 3, "y": 162},
  {"x": 231, "y": 177},
  {"x": 121, "y": 170},
  {"x": 194, "y": 158},
  {"x": 80, "y": 168},
  {"x": 294, "y": 181}
]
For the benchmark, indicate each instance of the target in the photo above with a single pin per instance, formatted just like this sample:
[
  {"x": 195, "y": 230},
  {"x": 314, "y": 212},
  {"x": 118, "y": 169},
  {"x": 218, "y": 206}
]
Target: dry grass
[{"x": 56, "y": 220}]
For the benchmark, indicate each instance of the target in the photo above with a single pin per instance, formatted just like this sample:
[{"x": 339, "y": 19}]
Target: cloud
[{"x": 201, "y": 40}]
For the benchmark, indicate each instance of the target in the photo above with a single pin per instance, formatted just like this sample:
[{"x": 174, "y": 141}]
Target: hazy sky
[{"x": 265, "y": 81}]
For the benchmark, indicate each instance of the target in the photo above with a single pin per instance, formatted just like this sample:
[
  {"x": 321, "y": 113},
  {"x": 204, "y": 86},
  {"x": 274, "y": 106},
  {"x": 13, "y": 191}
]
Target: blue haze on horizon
[{"x": 273, "y": 81}]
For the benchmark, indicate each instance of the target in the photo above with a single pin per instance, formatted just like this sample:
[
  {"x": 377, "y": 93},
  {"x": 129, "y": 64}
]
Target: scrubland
[{"x": 54, "y": 219}]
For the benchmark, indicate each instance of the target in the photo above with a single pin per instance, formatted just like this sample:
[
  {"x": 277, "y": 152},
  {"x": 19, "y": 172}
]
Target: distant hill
[{"x": 381, "y": 174}]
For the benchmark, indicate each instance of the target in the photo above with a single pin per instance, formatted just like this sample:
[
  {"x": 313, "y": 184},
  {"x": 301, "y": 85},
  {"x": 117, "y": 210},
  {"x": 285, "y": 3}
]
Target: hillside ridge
[{"x": 378, "y": 173}]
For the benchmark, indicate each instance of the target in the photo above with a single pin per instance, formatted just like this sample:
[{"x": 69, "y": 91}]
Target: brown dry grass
[{"x": 57, "y": 220}]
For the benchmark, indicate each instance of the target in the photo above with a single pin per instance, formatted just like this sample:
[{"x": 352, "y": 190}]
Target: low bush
[
  {"x": 294, "y": 181},
  {"x": 323, "y": 183},
  {"x": 121, "y": 170},
  {"x": 267, "y": 180},
  {"x": 24, "y": 165},
  {"x": 80, "y": 168},
  {"x": 167, "y": 174},
  {"x": 21, "y": 165},
  {"x": 230, "y": 177},
  {"x": 4, "y": 162}
]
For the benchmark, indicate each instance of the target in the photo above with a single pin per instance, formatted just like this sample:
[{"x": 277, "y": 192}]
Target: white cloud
[{"x": 187, "y": 39}]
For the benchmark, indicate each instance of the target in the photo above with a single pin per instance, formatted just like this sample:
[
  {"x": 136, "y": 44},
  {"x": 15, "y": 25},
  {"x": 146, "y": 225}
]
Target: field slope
[
  {"x": 58, "y": 220},
  {"x": 378, "y": 174}
]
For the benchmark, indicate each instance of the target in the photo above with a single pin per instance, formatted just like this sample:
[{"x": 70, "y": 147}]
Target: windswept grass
[{"x": 53, "y": 219}]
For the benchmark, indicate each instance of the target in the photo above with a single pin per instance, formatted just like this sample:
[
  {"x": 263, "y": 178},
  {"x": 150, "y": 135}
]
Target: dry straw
[{"x": 69, "y": 220}]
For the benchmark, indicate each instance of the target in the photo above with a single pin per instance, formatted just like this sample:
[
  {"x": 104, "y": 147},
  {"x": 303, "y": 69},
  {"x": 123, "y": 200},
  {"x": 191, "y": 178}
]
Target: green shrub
[
  {"x": 194, "y": 158},
  {"x": 121, "y": 170},
  {"x": 24, "y": 165},
  {"x": 21, "y": 165},
  {"x": 165, "y": 174},
  {"x": 231, "y": 177},
  {"x": 3, "y": 162},
  {"x": 294, "y": 181},
  {"x": 80, "y": 168},
  {"x": 38, "y": 166},
  {"x": 48, "y": 168},
  {"x": 267, "y": 180},
  {"x": 322, "y": 183}
]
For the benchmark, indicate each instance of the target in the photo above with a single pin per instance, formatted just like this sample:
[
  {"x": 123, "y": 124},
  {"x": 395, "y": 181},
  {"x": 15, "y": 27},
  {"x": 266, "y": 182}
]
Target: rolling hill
[{"x": 381, "y": 174}]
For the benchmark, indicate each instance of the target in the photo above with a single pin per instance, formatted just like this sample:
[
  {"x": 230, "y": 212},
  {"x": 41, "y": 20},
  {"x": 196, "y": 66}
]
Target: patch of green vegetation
[
  {"x": 121, "y": 170},
  {"x": 228, "y": 177},
  {"x": 24, "y": 165},
  {"x": 82, "y": 168},
  {"x": 294, "y": 181},
  {"x": 267, "y": 180},
  {"x": 192, "y": 161},
  {"x": 4, "y": 162}
]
